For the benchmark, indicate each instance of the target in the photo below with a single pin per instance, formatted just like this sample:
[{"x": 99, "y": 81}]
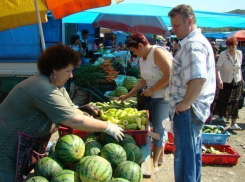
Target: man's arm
[{"x": 194, "y": 89}]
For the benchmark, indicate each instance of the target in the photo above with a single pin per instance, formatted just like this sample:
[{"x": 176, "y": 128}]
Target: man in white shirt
[{"x": 192, "y": 87}]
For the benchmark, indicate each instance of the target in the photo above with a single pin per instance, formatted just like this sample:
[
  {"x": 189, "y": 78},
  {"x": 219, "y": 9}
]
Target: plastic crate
[
  {"x": 215, "y": 139},
  {"x": 169, "y": 147},
  {"x": 8, "y": 83},
  {"x": 140, "y": 136},
  {"x": 231, "y": 158}
]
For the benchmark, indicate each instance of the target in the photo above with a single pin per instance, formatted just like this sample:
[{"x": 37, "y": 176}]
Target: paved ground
[{"x": 216, "y": 172}]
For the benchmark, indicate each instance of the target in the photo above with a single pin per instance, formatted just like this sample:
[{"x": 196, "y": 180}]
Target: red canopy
[{"x": 240, "y": 35}]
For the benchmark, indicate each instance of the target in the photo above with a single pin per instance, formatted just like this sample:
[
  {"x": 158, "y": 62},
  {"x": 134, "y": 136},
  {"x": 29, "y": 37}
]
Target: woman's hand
[
  {"x": 123, "y": 97},
  {"x": 147, "y": 92},
  {"x": 220, "y": 84},
  {"x": 115, "y": 131}
]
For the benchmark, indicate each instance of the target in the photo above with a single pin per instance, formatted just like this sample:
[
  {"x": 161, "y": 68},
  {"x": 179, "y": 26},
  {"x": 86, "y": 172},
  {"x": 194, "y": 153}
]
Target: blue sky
[{"x": 203, "y": 5}]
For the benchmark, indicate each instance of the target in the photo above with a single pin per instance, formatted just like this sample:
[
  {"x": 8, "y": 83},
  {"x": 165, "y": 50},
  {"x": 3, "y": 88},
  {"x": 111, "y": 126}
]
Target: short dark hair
[
  {"x": 185, "y": 11},
  {"x": 57, "y": 57},
  {"x": 74, "y": 38},
  {"x": 84, "y": 32},
  {"x": 137, "y": 38},
  {"x": 231, "y": 41}
]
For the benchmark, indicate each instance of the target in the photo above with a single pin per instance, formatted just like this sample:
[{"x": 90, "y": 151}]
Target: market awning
[
  {"x": 240, "y": 35},
  {"x": 216, "y": 35},
  {"x": 204, "y": 19}
]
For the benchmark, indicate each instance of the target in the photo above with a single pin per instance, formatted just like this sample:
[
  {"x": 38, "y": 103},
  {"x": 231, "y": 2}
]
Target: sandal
[
  {"x": 235, "y": 127},
  {"x": 156, "y": 170}
]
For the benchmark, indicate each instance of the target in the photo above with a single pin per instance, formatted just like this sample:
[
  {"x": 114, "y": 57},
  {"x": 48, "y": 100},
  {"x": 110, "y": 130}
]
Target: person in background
[
  {"x": 155, "y": 63},
  {"x": 175, "y": 46},
  {"x": 95, "y": 46},
  {"x": 108, "y": 41},
  {"x": 191, "y": 92},
  {"x": 84, "y": 43},
  {"x": 126, "y": 41},
  {"x": 169, "y": 44},
  {"x": 120, "y": 46},
  {"x": 27, "y": 122},
  {"x": 75, "y": 44},
  {"x": 229, "y": 82}
]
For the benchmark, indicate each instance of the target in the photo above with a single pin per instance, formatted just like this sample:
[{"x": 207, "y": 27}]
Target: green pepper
[
  {"x": 103, "y": 116},
  {"x": 122, "y": 114},
  {"x": 132, "y": 126}
]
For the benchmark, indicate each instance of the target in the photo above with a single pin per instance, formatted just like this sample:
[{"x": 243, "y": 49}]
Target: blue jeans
[
  {"x": 188, "y": 147},
  {"x": 160, "y": 111}
]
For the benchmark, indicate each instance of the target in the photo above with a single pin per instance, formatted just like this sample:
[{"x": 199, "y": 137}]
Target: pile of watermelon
[{"x": 97, "y": 157}]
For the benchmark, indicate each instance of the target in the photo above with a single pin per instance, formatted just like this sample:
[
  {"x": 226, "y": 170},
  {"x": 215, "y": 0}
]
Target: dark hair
[
  {"x": 84, "y": 31},
  {"x": 137, "y": 38},
  {"x": 74, "y": 38},
  {"x": 231, "y": 41},
  {"x": 57, "y": 57},
  {"x": 185, "y": 11}
]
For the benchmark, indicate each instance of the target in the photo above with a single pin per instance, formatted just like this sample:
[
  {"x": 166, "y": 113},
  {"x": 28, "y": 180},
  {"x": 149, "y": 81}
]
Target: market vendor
[{"x": 31, "y": 111}]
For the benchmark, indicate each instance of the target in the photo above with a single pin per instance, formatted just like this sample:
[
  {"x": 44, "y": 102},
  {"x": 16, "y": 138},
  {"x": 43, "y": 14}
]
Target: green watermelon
[
  {"x": 120, "y": 90},
  {"x": 66, "y": 176},
  {"x": 90, "y": 137},
  {"x": 129, "y": 82},
  {"x": 48, "y": 167},
  {"x": 114, "y": 153},
  {"x": 37, "y": 179},
  {"x": 94, "y": 169},
  {"x": 79, "y": 165},
  {"x": 119, "y": 180},
  {"x": 92, "y": 148},
  {"x": 127, "y": 139},
  {"x": 129, "y": 170},
  {"x": 70, "y": 148},
  {"x": 105, "y": 139},
  {"x": 133, "y": 153},
  {"x": 112, "y": 93}
]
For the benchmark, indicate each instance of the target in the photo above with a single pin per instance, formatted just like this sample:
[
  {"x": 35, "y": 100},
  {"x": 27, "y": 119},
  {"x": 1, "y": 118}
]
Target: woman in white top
[
  {"x": 155, "y": 64},
  {"x": 229, "y": 82}
]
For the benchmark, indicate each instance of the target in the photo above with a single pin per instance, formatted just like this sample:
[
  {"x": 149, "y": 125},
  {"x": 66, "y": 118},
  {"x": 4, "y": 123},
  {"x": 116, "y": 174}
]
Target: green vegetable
[{"x": 132, "y": 126}]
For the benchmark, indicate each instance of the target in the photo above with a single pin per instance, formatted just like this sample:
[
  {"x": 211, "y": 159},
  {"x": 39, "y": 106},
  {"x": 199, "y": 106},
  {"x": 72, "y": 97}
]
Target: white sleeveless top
[{"x": 152, "y": 73}]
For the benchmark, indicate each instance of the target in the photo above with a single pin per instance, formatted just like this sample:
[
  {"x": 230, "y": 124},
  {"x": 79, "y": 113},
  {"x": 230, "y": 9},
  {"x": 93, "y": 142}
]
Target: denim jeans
[
  {"x": 160, "y": 111},
  {"x": 188, "y": 147}
]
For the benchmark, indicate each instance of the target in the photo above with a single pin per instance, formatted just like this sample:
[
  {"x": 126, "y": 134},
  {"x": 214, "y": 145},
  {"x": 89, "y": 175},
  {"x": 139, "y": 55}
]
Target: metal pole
[{"x": 40, "y": 26}]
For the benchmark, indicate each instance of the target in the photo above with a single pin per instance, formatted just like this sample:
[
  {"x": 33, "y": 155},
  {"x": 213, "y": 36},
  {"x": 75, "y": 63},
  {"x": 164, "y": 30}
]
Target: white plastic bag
[{"x": 168, "y": 125}]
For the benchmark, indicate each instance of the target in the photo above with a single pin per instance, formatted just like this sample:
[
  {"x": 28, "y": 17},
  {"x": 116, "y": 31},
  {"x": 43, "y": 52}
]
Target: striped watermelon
[
  {"x": 129, "y": 170},
  {"x": 90, "y": 137},
  {"x": 114, "y": 153},
  {"x": 120, "y": 90},
  {"x": 66, "y": 176},
  {"x": 37, "y": 179},
  {"x": 70, "y": 148},
  {"x": 105, "y": 139},
  {"x": 127, "y": 139},
  {"x": 79, "y": 165},
  {"x": 48, "y": 167},
  {"x": 119, "y": 180},
  {"x": 94, "y": 169},
  {"x": 92, "y": 148},
  {"x": 133, "y": 152},
  {"x": 129, "y": 82}
]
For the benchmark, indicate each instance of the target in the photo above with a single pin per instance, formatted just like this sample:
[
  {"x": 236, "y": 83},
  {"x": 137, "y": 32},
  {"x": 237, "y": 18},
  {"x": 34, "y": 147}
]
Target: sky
[{"x": 201, "y": 5}]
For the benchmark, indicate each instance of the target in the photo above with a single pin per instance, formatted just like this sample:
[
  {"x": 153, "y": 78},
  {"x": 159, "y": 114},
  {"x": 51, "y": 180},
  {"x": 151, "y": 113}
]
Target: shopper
[
  {"x": 230, "y": 83},
  {"x": 192, "y": 88},
  {"x": 30, "y": 112},
  {"x": 155, "y": 63}
]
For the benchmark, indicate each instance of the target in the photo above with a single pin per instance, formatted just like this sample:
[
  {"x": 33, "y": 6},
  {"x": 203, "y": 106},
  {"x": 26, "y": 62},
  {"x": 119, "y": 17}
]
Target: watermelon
[
  {"x": 119, "y": 180},
  {"x": 133, "y": 152},
  {"x": 114, "y": 153},
  {"x": 48, "y": 168},
  {"x": 105, "y": 139},
  {"x": 129, "y": 170},
  {"x": 129, "y": 82},
  {"x": 90, "y": 137},
  {"x": 127, "y": 139},
  {"x": 92, "y": 148},
  {"x": 120, "y": 90},
  {"x": 94, "y": 169},
  {"x": 66, "y": 176},
  {"x": 79, "y": 165},
  {"x": 70, "y": 148},
  {"x": 37, "y": 179}
]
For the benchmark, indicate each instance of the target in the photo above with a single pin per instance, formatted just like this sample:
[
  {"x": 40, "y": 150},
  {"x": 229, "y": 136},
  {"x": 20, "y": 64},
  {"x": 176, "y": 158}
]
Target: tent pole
[{"x": 40, "y": 26}]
